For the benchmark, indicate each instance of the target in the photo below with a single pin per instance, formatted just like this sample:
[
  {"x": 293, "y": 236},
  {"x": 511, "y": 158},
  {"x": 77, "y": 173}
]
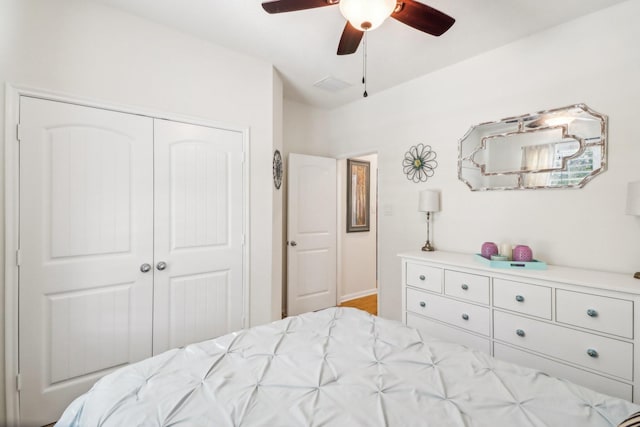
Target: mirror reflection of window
[
  {"x": 551, "y": 156},
  {"x": 536, "y": 157},
  {"x": 578, "y": 168}
]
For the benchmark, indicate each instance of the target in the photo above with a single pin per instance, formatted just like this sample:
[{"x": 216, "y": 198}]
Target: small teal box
[{"x": 520, "y": 265}]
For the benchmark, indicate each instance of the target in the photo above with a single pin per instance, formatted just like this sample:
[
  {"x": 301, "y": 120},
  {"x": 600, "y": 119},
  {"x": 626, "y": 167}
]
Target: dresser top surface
[{"x": 576, "y": 276}]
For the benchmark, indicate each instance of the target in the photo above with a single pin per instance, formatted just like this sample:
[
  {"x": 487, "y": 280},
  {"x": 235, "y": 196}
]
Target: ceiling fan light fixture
[{"x": 366, "y": 15}]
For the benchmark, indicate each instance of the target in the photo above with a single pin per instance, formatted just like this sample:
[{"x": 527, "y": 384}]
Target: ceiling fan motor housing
[{"x": 367, "y": 15}]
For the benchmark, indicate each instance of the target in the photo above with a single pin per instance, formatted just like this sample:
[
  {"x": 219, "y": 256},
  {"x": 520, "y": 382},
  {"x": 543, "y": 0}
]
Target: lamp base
[
  {"x": 637, "y": 275},
  {"x": 428, "y": 247}
]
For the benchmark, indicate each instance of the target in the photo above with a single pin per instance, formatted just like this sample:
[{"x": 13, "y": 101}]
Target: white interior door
[
  {"x": 311, "y": 234},
  {"x": 198, "y": 233},
  {"x": 86, "y": 197}
]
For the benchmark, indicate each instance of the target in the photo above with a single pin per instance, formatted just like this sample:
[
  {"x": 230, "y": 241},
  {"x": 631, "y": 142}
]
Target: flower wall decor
[{"x": 419, "y": 163}]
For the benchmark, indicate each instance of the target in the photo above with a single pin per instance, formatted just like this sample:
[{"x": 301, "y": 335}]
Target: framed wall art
[{"x": 357, "y": 195}]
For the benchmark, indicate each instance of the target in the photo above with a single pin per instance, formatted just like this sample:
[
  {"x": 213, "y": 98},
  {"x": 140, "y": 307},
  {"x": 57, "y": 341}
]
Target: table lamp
[{"x": 428, "y": 202}]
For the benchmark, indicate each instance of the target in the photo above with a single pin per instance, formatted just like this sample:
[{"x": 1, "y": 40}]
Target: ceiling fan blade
[
  {"x": 280, "y": 6},
  {"x": 350, "y": 40},
  {"x": 422, "y": 17}
]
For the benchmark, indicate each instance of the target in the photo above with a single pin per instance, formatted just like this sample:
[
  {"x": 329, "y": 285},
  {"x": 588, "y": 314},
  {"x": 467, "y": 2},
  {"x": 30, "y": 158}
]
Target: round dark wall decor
[
  {"x": 419, "y": 163},
  {"x": 277, "y": 169}
]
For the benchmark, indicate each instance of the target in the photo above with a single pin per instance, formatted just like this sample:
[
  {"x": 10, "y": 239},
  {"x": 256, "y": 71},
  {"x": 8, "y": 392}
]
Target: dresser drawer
[
  {"x": 448, "y": 333},
  {"x": 422, "y": 276},
  {"x": 579, "y": 376},
  {"x": 524, "y": 298},
  {"x": 468, "y": 316},
  {"x": 467, "y": 286},
  {"x": 610, "y": 315},
  {"x": 612, "y": 356}
]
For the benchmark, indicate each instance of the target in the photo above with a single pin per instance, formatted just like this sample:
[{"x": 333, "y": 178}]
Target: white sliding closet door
[
  {"x": 86, "y": 204},
  {"x": 198, "y": 290}
]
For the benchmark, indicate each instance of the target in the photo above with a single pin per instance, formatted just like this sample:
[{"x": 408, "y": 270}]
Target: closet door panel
[
  {"x": 86, "y": 199},
  {"x": 198, "y": 233},
  {"x": 200, "y": 185}
]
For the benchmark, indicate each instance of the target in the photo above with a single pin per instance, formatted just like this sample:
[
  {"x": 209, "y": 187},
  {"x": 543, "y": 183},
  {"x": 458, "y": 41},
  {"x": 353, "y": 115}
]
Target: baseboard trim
[{"x": 356, "y": 295}]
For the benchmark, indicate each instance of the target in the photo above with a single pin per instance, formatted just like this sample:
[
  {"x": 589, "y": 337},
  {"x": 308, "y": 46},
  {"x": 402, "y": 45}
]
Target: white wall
[
  {"x": 277, "y": 222},
  {"x": 306, "y": 129},
  {"x": 594, "y": 60},
  {"x": 91, "y": 51},
  {"x": 356, "y": 251}
]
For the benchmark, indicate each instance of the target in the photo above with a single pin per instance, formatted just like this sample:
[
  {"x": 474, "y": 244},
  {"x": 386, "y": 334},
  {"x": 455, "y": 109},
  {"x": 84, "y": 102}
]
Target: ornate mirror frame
[{"x": 560, "y": 148}]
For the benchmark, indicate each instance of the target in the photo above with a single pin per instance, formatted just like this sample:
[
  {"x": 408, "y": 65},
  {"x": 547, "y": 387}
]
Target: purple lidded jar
[
  {"x": 522, "y": 253},
  {"x": 488, "y": 249}
]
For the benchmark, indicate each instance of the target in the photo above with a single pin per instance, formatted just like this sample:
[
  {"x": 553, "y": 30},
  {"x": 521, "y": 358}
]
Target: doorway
[
  {"x": 356, "y": 254},
  {"x": 357, "y": 259}
]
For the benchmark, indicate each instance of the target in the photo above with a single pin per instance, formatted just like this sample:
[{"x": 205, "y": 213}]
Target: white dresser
[{"x": 571, "y": 323}]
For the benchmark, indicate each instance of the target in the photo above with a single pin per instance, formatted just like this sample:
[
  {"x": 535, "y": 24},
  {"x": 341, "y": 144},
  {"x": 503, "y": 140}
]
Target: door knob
[
  {"x": 293, "y": 243},
  {"x": 161, "y": 265},
  {"x": 145, "y": 268}
]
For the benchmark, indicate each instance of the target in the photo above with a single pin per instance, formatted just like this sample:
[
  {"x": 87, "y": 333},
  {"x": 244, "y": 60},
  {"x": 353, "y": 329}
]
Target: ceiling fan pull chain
[{"x": 364, "y": 65}]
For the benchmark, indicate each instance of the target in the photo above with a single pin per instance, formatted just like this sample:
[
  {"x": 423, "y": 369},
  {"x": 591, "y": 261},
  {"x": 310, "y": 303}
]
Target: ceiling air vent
[{"x": 331, "y": 84}]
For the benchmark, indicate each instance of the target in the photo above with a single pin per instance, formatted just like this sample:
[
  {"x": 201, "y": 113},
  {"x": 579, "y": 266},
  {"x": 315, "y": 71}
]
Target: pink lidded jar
[
  {"x": 522, "y": 253},
  {"x": 488, "y": 249}
]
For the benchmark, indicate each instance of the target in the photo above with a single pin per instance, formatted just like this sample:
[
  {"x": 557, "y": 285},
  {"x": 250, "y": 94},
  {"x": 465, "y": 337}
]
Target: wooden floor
[{"x": 369, "y": 304}]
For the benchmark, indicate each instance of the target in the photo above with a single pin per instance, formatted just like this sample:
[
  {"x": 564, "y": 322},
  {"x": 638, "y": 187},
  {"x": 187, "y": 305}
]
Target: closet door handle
[
  {"x": 145, "y": 268},
  {"x": 161, "y": 265},
  {"x": 293, "y": 243},
  {"x": 520, "y": 332}
]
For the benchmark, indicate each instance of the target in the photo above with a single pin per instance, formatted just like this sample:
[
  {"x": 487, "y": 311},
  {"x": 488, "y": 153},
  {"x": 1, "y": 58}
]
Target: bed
[{"x": 336, "y": 367}]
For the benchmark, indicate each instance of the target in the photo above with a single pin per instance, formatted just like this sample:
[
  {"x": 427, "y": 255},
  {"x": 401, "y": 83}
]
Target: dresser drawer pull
[
  {"x": 520, "y": 332},
  {"x": 423, "y": 304},
  {"x": 465, "y": 316},
  {"x": 422, "y": 277},
  {"x": 519, "y": 298},
  {"x": 592, "y": 313},
  {"x": 592, "y": 352},
  {"x": 464, "y": 286}
]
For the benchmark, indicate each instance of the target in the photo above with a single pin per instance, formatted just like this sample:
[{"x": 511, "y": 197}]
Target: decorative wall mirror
[{"x": 560, "y": 148}]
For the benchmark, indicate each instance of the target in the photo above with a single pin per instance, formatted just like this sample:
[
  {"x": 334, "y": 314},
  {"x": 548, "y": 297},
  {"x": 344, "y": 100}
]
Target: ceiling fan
[{"x": 365, "y": 15}]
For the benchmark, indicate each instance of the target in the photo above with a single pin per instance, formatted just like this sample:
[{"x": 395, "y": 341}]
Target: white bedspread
[{"x": 337, "y": 367}]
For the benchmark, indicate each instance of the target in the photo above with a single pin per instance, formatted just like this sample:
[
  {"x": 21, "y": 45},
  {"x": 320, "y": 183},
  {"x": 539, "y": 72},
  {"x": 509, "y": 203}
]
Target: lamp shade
[
  {"x": 633, "y": 198},
  {"x": 429, "y": 201},
  {"x": 366, "y": 15}
]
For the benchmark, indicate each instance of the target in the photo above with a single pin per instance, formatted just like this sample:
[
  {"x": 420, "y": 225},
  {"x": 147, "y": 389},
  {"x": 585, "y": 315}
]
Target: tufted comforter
[{"x": 336, "y": 367}]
